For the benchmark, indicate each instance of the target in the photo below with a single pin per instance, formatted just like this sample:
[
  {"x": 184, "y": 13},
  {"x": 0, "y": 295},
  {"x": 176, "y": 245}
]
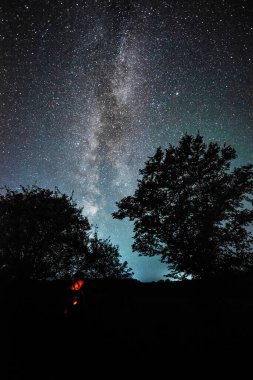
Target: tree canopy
[
  {"x": 104, "y": 260},
  {"x": 42, "y": 233},
  {"x": 191, "y": 208}
]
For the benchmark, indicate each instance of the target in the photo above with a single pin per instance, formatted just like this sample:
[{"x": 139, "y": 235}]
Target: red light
[{"x": 77, "y": 285}]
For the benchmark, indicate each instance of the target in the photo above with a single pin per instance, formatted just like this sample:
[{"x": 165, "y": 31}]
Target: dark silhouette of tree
[
  {"x": 191, "y": 208},
  {"x": 104, "y": 260},
  {"x": 42, "y": 233}
]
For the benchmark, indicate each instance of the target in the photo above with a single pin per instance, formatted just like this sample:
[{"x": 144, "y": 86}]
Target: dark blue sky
[{"x": 89, "y": 89}]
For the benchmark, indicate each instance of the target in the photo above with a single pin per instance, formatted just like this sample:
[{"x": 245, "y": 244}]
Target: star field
[{"x": 89, "y": 90}]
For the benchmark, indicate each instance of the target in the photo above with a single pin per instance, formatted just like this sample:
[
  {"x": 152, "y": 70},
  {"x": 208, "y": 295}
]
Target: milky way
[{"x": 89, "y": 89}]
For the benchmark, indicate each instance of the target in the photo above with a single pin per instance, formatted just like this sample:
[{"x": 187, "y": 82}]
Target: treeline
[
  {"x": 44, "y": 235},
  {"x": 190, "y": 208}
]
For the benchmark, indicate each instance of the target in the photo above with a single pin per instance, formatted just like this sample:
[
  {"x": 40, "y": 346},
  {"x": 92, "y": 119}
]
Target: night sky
[{"x": 89, "y": 90}]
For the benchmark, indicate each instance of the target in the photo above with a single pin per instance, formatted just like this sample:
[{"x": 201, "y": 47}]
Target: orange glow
[
  {"x": 75, "y": 302},
  {"x": 77, "y": 285}
]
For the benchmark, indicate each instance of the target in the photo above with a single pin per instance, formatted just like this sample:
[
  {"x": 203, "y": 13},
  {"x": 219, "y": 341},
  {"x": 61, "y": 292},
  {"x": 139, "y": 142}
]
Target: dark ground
[{"x": 128, "y": 329}]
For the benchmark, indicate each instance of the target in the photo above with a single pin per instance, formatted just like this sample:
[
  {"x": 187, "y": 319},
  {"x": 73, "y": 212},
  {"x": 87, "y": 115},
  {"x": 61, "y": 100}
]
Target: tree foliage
[
  {"x": 104, "y": 260},
  {"x": 42, "y": 233},
  {"x": 191, "y": 208}
]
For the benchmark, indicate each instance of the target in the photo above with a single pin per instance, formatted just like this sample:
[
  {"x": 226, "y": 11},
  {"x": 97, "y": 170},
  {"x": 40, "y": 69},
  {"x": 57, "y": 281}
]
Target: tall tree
[
  {"x": 193, "y": 210},
  {"x": 42, "y": 233},
  {"x": 104, "y": 260}
]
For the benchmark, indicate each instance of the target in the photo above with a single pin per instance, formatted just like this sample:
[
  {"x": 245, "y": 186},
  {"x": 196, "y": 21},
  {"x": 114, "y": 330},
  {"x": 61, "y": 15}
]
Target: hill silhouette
[{"x": 126, "y": 324}]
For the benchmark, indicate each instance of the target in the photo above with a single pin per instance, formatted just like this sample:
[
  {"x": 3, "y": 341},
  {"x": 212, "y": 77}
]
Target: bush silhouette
[{"x": 103, "y": 260}]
